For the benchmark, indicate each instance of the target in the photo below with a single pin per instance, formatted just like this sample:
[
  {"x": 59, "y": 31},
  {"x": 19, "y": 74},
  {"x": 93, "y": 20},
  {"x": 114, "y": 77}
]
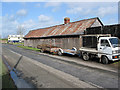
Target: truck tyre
[
  {"x": 59, "y": 53},
  {"x": 104, "y": 60},
  {"x": 85, "y": 57}
]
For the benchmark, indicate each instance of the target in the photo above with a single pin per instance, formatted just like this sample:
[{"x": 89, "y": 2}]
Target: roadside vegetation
[
  {"x": 4, "y": 40},
  {"x": 7, "y": 81},
  {"x": 116, "y": 64},
  {"x": 17, "y": 43},
  {"x": 30, "y": 48}
]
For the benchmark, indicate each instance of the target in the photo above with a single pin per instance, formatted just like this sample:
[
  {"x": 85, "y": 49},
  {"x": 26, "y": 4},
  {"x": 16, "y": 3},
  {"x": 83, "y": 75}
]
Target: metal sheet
[{"x": 64, "y": 29}]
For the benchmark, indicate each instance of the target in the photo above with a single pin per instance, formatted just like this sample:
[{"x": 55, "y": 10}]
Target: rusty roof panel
[{"x": 64, "y": 29}]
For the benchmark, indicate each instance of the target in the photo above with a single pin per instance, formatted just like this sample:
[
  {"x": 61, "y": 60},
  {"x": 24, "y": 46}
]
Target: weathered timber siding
[
  {"x": 114, "y": 30},
  {"x": 65, "y": 43}
]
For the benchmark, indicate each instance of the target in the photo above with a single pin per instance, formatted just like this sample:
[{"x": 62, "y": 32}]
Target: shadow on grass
[{"x": 7, "y": 82}]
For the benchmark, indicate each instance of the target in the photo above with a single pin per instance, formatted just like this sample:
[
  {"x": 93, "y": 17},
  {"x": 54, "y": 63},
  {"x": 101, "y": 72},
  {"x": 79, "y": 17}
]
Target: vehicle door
[{"x": 105, "y": 47}]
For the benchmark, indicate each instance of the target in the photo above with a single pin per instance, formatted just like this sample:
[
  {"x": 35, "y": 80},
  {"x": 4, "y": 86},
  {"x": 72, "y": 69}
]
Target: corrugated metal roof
[{"x": 64, "y": 29}]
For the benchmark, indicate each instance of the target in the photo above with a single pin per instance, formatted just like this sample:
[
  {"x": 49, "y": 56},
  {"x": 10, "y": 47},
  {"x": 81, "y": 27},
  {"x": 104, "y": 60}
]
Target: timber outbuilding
[
  {"x": 113, "y": 30},
  {"x": 66, "y": 35}
]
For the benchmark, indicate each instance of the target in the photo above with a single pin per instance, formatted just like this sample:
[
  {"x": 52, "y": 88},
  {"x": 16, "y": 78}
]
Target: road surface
[{"x": 86, "y": 75}]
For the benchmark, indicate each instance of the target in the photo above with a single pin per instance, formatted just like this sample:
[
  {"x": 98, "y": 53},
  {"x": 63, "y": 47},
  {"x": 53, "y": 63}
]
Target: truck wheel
[
  {"x": 59, "y": 53},
  {"x": 104, "y": 60},
  {"x": 85, "y": 57}
]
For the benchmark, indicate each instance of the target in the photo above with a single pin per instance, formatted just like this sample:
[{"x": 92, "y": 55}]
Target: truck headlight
[{"x": 115, "y": 52}]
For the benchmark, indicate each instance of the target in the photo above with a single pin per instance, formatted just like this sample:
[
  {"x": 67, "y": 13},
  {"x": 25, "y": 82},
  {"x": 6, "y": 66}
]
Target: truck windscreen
[{"x": 115, "y": 42}]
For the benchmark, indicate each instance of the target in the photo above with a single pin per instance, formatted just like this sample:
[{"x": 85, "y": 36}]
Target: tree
[{"x": 20, "y": 30}]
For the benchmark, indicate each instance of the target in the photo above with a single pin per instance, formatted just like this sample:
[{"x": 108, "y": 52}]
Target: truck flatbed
[{"x": 91, "y": 50}]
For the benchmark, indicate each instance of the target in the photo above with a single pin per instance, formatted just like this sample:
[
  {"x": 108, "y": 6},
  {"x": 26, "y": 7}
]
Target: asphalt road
[{"x": 100, "y": 78}]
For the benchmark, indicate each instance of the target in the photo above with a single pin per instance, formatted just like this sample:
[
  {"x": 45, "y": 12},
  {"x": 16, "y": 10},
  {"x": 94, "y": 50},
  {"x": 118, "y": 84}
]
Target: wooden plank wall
[
  {"x": 114, "y": 30},
  {"x": 65, "y": 43}
]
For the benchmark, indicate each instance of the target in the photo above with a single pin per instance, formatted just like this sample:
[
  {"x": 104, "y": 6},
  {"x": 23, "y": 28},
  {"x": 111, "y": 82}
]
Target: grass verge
[
  {"x": 30, "y": 48},
  {"x": 116, "y": 64},
  {"x": 7, "y": 81},
  {"x": 17, "y": 43}
]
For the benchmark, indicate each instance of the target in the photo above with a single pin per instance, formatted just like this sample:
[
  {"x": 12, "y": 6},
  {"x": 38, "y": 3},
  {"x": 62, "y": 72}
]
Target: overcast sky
[{"x": 33, "y": 15}]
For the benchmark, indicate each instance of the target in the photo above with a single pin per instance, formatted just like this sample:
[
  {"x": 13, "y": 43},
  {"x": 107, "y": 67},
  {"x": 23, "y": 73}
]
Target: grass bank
[
  {"x": 4, "y": 39},
  {"x": 7, "y": 81},
  {"x": 116, "y": 64},
  {"x": 30, "y": 48},
  {"x": 17, "y": 43}
]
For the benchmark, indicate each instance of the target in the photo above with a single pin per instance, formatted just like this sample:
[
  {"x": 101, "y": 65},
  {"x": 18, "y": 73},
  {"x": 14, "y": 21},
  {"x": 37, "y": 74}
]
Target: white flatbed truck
[{"x": 102, "y": 46}]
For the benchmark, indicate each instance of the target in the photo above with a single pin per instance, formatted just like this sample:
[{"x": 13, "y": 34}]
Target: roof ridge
[
  {"x": 84, "y": 23},
  {"x": 64, "y": 24}
]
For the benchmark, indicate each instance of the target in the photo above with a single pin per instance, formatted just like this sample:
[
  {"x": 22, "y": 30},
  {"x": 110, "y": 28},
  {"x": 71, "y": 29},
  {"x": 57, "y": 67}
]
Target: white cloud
[
  {"x": 28, "y": 24},
  {"x": 83, "y": 4},
  {"x": 80, "y": 8},
  {"x": 92, "y": 9},
  {"x": 43, "y": 18},
  {"x": 55, "y": 6},
  {"x": 22, "y": 12},
  {"x": 8, "y": 26},
  {"x": 88, "y": 11},
  {"x": 43, "y": 22},
  {"x": 103, "y": 11},
  {"x": 12, "y": 17},
  {"x": 74, "y": 10},
  {"x": 10, "y": 22}
]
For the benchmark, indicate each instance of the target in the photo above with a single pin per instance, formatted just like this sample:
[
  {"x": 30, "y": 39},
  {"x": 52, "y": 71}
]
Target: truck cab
[
  {"x": 102, "y": 46},
  {"x": 109, "y": 47}
]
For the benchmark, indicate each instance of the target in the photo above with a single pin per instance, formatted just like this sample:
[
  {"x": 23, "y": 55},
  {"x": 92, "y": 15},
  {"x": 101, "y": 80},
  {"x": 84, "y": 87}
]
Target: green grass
[
  {"x": 4, "y": 39},
  {"x": 30, "y": 48},
  {"x": 7, "y": 81},
  {"x": 118, "y": 63},
  {"x": 17, "y": 43}
]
